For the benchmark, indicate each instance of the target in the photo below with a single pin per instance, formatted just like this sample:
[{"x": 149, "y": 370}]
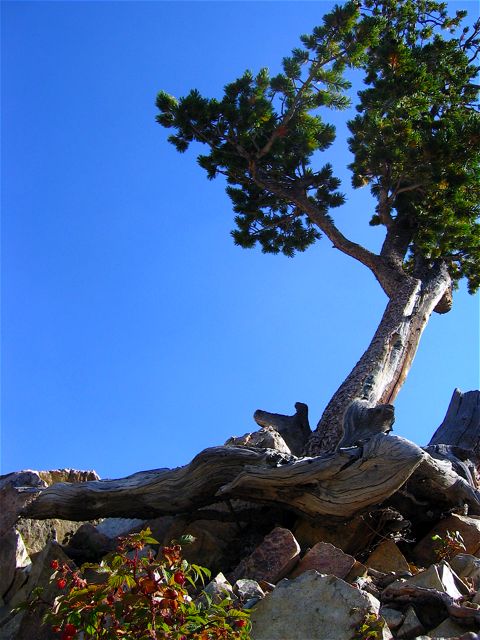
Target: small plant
[
  {"x": 449, "y": 546},
  {"x": 136, "y": 596},
  {"x": 371, "y": 628}
]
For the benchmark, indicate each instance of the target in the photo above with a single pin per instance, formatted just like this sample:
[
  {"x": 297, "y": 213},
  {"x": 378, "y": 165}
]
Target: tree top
[{"x": 415, "y": 139}]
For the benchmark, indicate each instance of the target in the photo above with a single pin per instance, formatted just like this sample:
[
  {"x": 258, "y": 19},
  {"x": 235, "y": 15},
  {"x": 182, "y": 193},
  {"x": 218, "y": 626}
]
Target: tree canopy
[{"x": 415, "y": 139}]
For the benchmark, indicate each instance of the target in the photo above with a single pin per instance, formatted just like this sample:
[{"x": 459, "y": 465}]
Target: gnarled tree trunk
[{"x": 381, "y": 371}]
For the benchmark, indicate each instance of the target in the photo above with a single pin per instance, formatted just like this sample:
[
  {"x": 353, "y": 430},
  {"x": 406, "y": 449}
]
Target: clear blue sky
[{"x": 134, "y": 333}]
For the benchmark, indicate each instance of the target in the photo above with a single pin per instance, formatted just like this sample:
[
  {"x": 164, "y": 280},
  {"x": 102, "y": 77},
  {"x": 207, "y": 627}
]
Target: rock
[
  {"x": 387, "y": 558},
  {"x": 315, "y": 607},
  {"x": 27, "y": 625},
  {"x": 325, "y": 558},
  {"x": 273, "y": 559},
  {"x": 114, "y": 527},
  {"x": 10, "y": 626},
  {"x": 351, "y": 537},
  {"x": 439, "y": 577},
  {"x": 161, "y": 526},
  {"x": 212, "y": 547},
  {"x": 88, "y": 545},
  {"x": 411, "y": 627},
  {"x": 13, "y": 500},
  {"x": 36, "y": 533},
  {"x": 392, "y": 617},
  {"x": 23, "y": 565},
  {"x": 26, "y": 478},
  {"x": 358, "y": 570},
  {"x": 265, "y": 438},
  {"x": 218, "y": 589},
  {"x": 67, "y": 475},
  {"x": 247, "y": 589},
  {"x": 467, "y": 566},
  {"x": 40, "y": 573},
  {"x": 468, "y": 527},
  {"x": 13, "y": 558},
  {"x": 447, "y": 629}
]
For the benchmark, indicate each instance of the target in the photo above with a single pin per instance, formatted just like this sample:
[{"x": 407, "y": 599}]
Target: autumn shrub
[
  {"x": 135, "y": 594},
  {"x": 448, "y": 547}
]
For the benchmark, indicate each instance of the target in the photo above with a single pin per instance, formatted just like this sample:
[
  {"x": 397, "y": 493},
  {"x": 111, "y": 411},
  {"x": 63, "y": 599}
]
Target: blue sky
[{"x": 134, "y": 333}]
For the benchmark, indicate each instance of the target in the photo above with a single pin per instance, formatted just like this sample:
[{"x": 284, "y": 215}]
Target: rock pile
[{"x": 303, "y": 579}]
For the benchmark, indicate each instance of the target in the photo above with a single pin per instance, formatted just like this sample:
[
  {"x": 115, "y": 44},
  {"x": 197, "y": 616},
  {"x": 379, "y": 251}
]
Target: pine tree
[{"x": 415, "y": 142}]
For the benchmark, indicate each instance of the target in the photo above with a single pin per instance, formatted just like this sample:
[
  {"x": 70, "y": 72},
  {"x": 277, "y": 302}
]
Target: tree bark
[{"x": 383, "y": 368}]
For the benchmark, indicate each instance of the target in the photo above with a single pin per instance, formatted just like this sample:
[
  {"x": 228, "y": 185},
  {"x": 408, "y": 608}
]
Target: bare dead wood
[
  {"x": 339, "y": 485},
  {"x": 362, "y": 421},
  {"x": 295, "y": 430},
  {"x": 461, "y": 425},
  {"x": 434, "y": 482},
  {"x": 457, "y": 439},
  {"x": 148, "y": 494},
  {"x": 410, "y": 594},
  {"x": 462, "y": 461}
]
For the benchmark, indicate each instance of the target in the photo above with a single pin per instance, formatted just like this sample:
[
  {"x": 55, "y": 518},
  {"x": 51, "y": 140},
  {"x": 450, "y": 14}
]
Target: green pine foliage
[{"x": 415, "y": 139}]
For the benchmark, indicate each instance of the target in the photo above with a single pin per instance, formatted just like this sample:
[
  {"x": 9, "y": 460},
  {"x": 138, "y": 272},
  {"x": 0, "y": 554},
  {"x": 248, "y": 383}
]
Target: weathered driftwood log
[
  {"x": 295, "y": 430},
  {"x": 434, "y": 482},
  {"x": 462, "y": 461},
  {"x": 150, "y": 493},
  {"x": 410, "y": 594},
  {"x": 339, "y": 485},
  {"x": 461, "y": 425}
]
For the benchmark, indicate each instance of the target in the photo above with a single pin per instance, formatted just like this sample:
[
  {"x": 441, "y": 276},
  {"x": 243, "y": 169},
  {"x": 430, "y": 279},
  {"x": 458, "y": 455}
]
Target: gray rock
[
  {"x": 13, "y": 558},
  {"x": 27, "y": 625},
  {"x": 27, "y": 478},
  {"x": 313, "y": 606},
  {"x": 411, "y": 627},
  {"x": 37, "y": 533},
  {"x": 447, "y": 629},
  {"x": 467, "y": 566},
  {"x": 437, "y": 576},
  {"x": 13, "y": 501},
  {"x": 212, "y": 547},
  {"x": 113, "y": 527},
  {"x": 22, "y": 566},
  {"x": 40, "y": 573},
  {"x": 248, "y": 589},
  {"x": 219, "y": 588},
  {"x": 392, "y": 617},
  {"x": 88, "y": 545}
]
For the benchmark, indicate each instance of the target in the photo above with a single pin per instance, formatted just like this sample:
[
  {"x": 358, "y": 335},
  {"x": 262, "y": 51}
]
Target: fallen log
[
  {"x": 410, "y": 594},
  {"x": 435, "y": 482},
  {"x": 340, "y": 484}
]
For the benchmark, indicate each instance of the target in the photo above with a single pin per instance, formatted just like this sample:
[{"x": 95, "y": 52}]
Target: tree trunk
[{"x": 383, "y": 368}]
